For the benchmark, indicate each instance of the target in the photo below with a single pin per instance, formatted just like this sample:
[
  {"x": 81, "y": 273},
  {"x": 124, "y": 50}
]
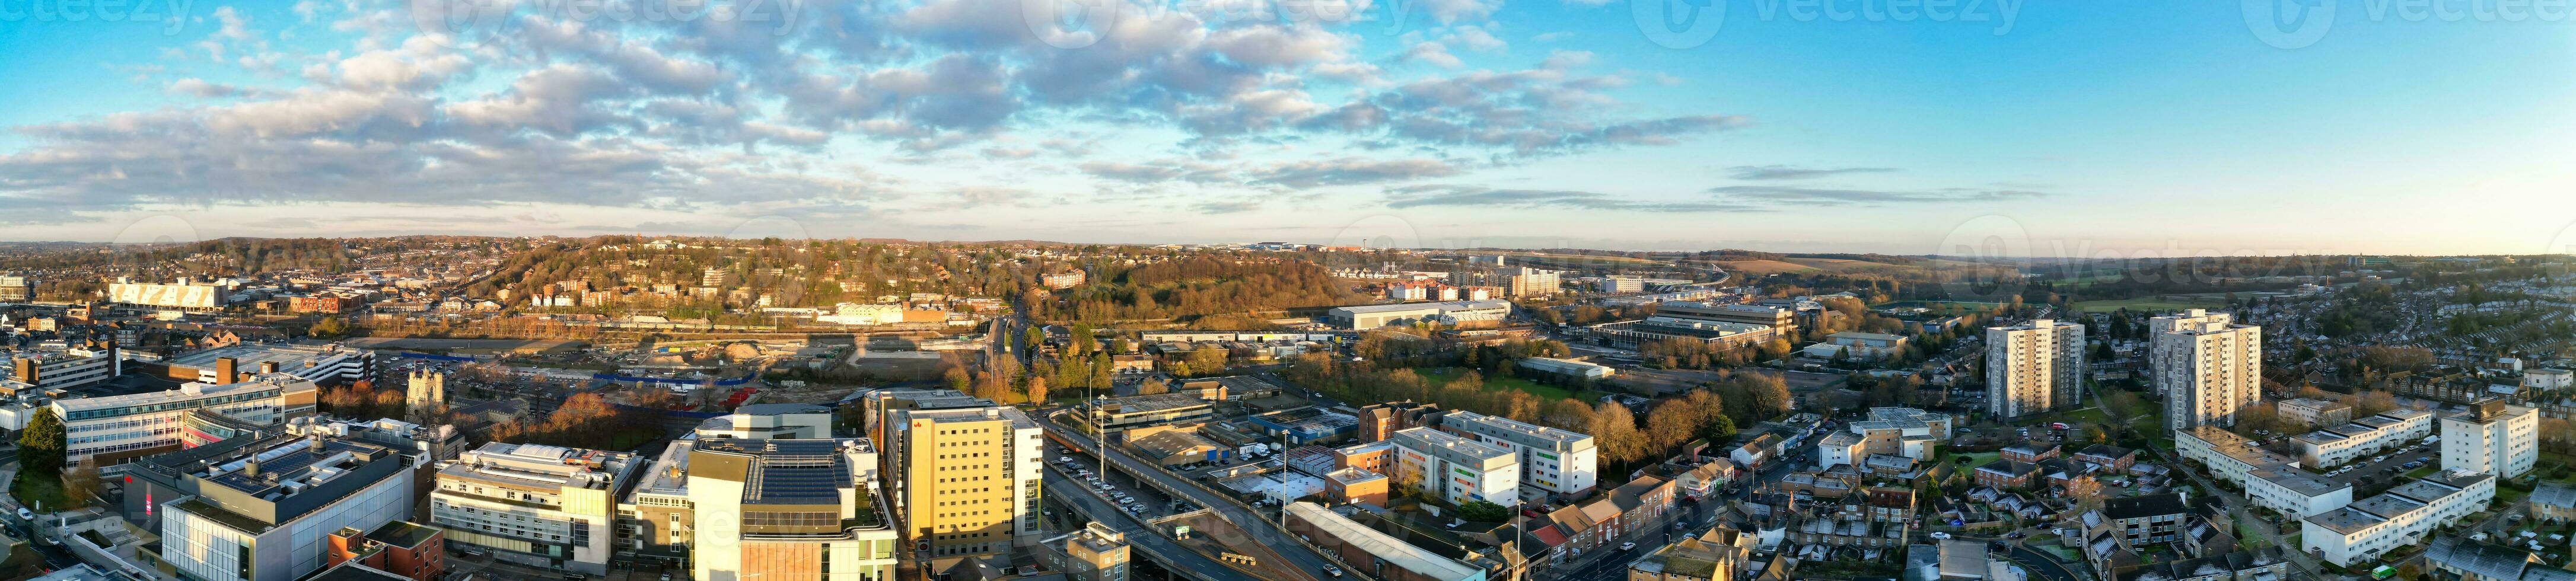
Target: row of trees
[
  {"x": 362, "y": 400},
  {"x": 1199, "y": 286},
  {"x": 587, "y": 420},
  {"x": 1711, "y": 411}
]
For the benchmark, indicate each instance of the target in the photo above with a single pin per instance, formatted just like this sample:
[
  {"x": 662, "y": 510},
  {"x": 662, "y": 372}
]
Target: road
[
  {"x": 2041, "y": 564},
  {"x": 2236, "y": 507},
  {"x": 1609, "y": 563},
  {"x": 1162, "y": 550},
  {"x": 1265, "y": 532}
]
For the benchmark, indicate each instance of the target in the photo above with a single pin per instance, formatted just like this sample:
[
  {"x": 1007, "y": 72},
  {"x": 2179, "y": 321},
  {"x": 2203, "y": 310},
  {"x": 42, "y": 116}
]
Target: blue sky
[{"x": 2062, "y": 128}]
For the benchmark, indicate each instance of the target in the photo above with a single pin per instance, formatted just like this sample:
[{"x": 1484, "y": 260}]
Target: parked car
[
  {"x": 1627, "y": 546},
  {"x": 1940, "y": 535}
]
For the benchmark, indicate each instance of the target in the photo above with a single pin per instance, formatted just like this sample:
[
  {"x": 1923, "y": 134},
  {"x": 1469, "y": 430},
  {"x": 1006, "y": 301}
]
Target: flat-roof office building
[
  {"x": 263, "y": 510},
  {"x": 1552, "y": 460},
  {"x": 1457, "y": 470},
  {"x": 1374, "y": 316},
  {"x": 542, "y": 506},
  {"x": 110, "y": 431},
  {"x": 330, "y": 363}
]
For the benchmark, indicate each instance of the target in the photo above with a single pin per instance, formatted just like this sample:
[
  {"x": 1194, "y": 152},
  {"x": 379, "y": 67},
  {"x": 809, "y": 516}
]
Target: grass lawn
[
  {"x": 35, "y": 492},
  {"x": 1495, "y": 382},
  {"x": 2076, "y": 418},
  {"x": 2420, "y": 473},
  {"x": 1976, "y": 459},
  {"x": 1941, "y": 307},
  {"x": 2247, "y": 539},
  {"x": 2144, "y": 304},
  {"x": 23, "y": 563},
  {"x": 2510, "y": 495}
]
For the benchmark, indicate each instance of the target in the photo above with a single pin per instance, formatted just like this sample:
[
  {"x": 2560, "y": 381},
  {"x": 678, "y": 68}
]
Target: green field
[
  {"x": 1495, "y": 382},
  {"x": 1941, "y": 307},
  {"x": 2146, "y": 304},
  {"x": 2074, "y": 418},
  {"x": 1976, "y": 459}
]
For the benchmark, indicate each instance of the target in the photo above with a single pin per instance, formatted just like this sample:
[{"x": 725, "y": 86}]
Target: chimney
[
  {"x": 250, "y": 469},
  {"x": 227, "y": 370},
  {"x": 268, "y": 367}
]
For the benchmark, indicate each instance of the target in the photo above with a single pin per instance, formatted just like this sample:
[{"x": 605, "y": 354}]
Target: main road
[
  {"x": 1162, "y": 550},
  {"x": 1260, "y": 527}
]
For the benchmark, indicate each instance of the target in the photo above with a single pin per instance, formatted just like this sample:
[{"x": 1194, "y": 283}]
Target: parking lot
[
  {"x": 1136, "y": 499},
  {"x": 2386, "y": 468}
]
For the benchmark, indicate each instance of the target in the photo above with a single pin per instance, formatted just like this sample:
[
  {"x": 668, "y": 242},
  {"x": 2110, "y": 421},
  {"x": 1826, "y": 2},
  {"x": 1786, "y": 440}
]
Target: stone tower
[{"x": 428, "y": 390}]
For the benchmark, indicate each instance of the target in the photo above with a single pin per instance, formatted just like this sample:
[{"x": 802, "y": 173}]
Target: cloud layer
[{"x": 820, "y": 104}]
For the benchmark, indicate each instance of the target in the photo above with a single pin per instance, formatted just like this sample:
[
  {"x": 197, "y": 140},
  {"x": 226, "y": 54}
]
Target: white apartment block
[
  {"x": 1552, "y": 460},
  {"x": 2034, "y": 368},
  {"x": 1455, "y": 469},
  {"x": 2314, "y": 412},
  {"x": 1907, "y": 432},
  {"x": 2400, "y": 517},
  {"x": 2330, "y": 447},
  {"x": 541, "y": 506},
  {"x": 2493, "y": 438},
  {"x": 2206, "y": 367},
  {"x": 2548, "y": 379},
  {"x": 114, "y": 430},
  {"x": 2271, "y": 480}
]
